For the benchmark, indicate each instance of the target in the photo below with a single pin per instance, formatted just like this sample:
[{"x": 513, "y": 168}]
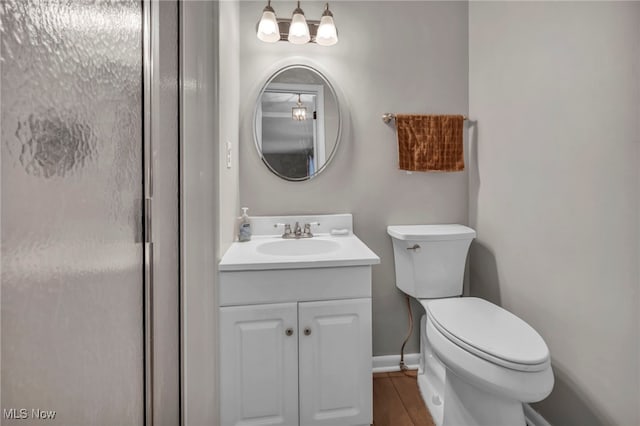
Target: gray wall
[
  {"x": 554, "y": 191},
  {"x": 229, "y": 100},
  {"x": 391, "y": 57}
]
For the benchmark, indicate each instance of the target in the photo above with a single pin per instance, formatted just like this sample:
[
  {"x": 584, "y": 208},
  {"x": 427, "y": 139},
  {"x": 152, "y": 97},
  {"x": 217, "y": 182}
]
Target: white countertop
[{"x": 246, "y": 257}]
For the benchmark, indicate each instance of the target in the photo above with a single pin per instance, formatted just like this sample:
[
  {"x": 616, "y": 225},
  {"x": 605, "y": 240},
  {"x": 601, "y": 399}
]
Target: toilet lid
[
  {"x": 490, "y": 332},
  {"x": 431, "y": 232}
]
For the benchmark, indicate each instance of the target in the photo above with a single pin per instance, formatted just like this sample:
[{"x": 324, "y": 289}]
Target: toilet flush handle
[{"x": 415, "y": 248}]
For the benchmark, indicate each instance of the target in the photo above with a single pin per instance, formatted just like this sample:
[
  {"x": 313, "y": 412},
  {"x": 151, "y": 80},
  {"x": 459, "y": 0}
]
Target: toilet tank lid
[{"x": 431, "y": 232}]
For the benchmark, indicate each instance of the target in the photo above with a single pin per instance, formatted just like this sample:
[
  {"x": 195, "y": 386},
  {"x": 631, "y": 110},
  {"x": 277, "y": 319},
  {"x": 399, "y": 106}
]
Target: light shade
[
  {"x": 327, "y": 34},
  {"x": 298, "y": 29},
  {"x": 268, "y": 27}
]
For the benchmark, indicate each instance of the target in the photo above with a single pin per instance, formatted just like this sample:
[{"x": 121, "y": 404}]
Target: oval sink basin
[{"x": 297, "y": 247}]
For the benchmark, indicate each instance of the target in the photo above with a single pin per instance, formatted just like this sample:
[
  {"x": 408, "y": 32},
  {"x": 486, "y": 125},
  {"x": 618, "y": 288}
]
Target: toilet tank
[{"x": 430, "y": 259}]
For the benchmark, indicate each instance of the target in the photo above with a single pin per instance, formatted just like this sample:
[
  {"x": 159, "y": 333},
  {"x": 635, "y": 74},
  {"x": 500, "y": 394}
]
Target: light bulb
[
  {"x": 298, "y": 30},
  {"x": 327, "y": 34},
  {"x": 299, "y": 113},
  {"x": 268, "y": 27}
]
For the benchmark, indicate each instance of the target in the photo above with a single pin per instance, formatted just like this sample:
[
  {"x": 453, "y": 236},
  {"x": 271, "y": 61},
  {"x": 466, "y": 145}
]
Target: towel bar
[{"x": 388, "y": 116}]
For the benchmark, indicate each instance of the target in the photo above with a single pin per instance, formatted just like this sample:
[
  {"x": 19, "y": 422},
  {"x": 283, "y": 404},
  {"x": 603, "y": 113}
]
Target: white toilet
[{"x": 478, "y": 362}]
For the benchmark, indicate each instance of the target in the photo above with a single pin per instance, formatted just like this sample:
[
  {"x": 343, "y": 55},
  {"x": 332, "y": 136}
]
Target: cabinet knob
[
  {"x": 307, "y": 331},
  {"x": 289, "y": 332}
]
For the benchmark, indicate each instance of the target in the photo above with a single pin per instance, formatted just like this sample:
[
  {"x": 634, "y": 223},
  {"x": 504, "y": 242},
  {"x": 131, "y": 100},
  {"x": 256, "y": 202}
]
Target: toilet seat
[
  {"x": 506, "y": 383},
  {"x": 489, "y": 332}
]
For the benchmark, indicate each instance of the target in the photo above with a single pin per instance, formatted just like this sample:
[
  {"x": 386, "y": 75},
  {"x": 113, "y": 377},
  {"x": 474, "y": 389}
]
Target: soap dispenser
[{"x": 244, "y": 228}]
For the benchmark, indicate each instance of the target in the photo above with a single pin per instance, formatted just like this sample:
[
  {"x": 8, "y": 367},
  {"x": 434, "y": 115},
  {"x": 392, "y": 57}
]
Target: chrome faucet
[{"x": 297, "y": 232}]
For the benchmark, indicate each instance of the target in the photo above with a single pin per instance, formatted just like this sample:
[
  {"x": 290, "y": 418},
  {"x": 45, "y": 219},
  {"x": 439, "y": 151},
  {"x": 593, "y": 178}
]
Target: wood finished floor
[{"x": 397, "y": 401}]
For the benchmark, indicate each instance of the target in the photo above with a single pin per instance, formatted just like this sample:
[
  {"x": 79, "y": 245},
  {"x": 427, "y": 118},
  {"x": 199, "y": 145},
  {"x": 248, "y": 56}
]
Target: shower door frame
[
  {"x": 149, "y": 37},
  {"x": 154, "y": 321},
  {"x": 0, "y": 221},
  {"x": 158, "y": 323}
]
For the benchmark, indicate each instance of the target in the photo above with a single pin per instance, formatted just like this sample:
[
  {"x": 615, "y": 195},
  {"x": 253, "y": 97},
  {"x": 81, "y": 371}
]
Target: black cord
[{"x": 403, "y": 366}]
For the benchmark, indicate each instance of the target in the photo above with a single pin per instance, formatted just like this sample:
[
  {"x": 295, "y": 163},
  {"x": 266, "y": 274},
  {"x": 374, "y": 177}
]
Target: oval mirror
[{"x": 297, "y": 123}]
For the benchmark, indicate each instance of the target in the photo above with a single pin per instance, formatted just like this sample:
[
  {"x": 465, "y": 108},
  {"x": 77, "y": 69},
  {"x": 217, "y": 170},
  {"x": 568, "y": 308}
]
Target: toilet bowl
[{"x": 478, "y": 362}]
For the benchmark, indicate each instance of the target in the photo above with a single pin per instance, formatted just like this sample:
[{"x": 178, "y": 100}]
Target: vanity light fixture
[
  {"x": 297, "y": 30},
  {"x": 299, "y": 112}
]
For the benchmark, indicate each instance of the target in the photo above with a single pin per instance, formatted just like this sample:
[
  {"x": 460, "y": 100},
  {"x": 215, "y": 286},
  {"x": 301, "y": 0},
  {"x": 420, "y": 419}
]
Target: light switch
[{"x": 228, "y": 155}]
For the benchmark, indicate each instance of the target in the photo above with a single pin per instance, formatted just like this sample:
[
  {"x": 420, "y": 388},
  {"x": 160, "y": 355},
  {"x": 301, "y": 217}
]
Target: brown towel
[{"x": 430, "y": 142}]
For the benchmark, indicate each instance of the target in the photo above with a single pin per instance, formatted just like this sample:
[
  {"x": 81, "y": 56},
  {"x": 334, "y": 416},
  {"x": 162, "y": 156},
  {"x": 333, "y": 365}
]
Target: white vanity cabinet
[
  {"x": 295, "y": 327},
  {"x": 273, "y": 353},
  {"x": 291, "y": 359}
]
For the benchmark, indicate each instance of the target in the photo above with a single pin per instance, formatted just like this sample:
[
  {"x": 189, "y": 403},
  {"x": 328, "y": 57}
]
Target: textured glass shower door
[{"x": 71, "y": 188}]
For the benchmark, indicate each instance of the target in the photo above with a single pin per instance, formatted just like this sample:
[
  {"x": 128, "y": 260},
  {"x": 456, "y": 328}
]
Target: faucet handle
[
  {"x": 286, "y": 226},
  {"x": 307, "y": 228}
]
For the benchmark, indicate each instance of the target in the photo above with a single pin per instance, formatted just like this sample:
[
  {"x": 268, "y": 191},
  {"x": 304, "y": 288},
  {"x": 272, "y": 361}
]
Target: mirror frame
[{"x": 333, "y": 91}]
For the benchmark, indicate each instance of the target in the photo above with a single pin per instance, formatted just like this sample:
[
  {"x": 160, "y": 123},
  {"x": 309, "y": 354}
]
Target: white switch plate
[{"x": 228, "y": 155}]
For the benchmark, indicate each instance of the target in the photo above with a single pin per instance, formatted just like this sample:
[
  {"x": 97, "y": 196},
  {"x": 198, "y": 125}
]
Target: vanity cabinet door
[
  {"x": 335, "y": 362},
  {"x": 259, "y": 359}
]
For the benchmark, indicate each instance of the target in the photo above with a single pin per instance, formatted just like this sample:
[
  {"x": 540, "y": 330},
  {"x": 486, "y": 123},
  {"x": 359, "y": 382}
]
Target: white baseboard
[
  {"x": 387, "y": 363},
  {"x": 533, "y": 417}
]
